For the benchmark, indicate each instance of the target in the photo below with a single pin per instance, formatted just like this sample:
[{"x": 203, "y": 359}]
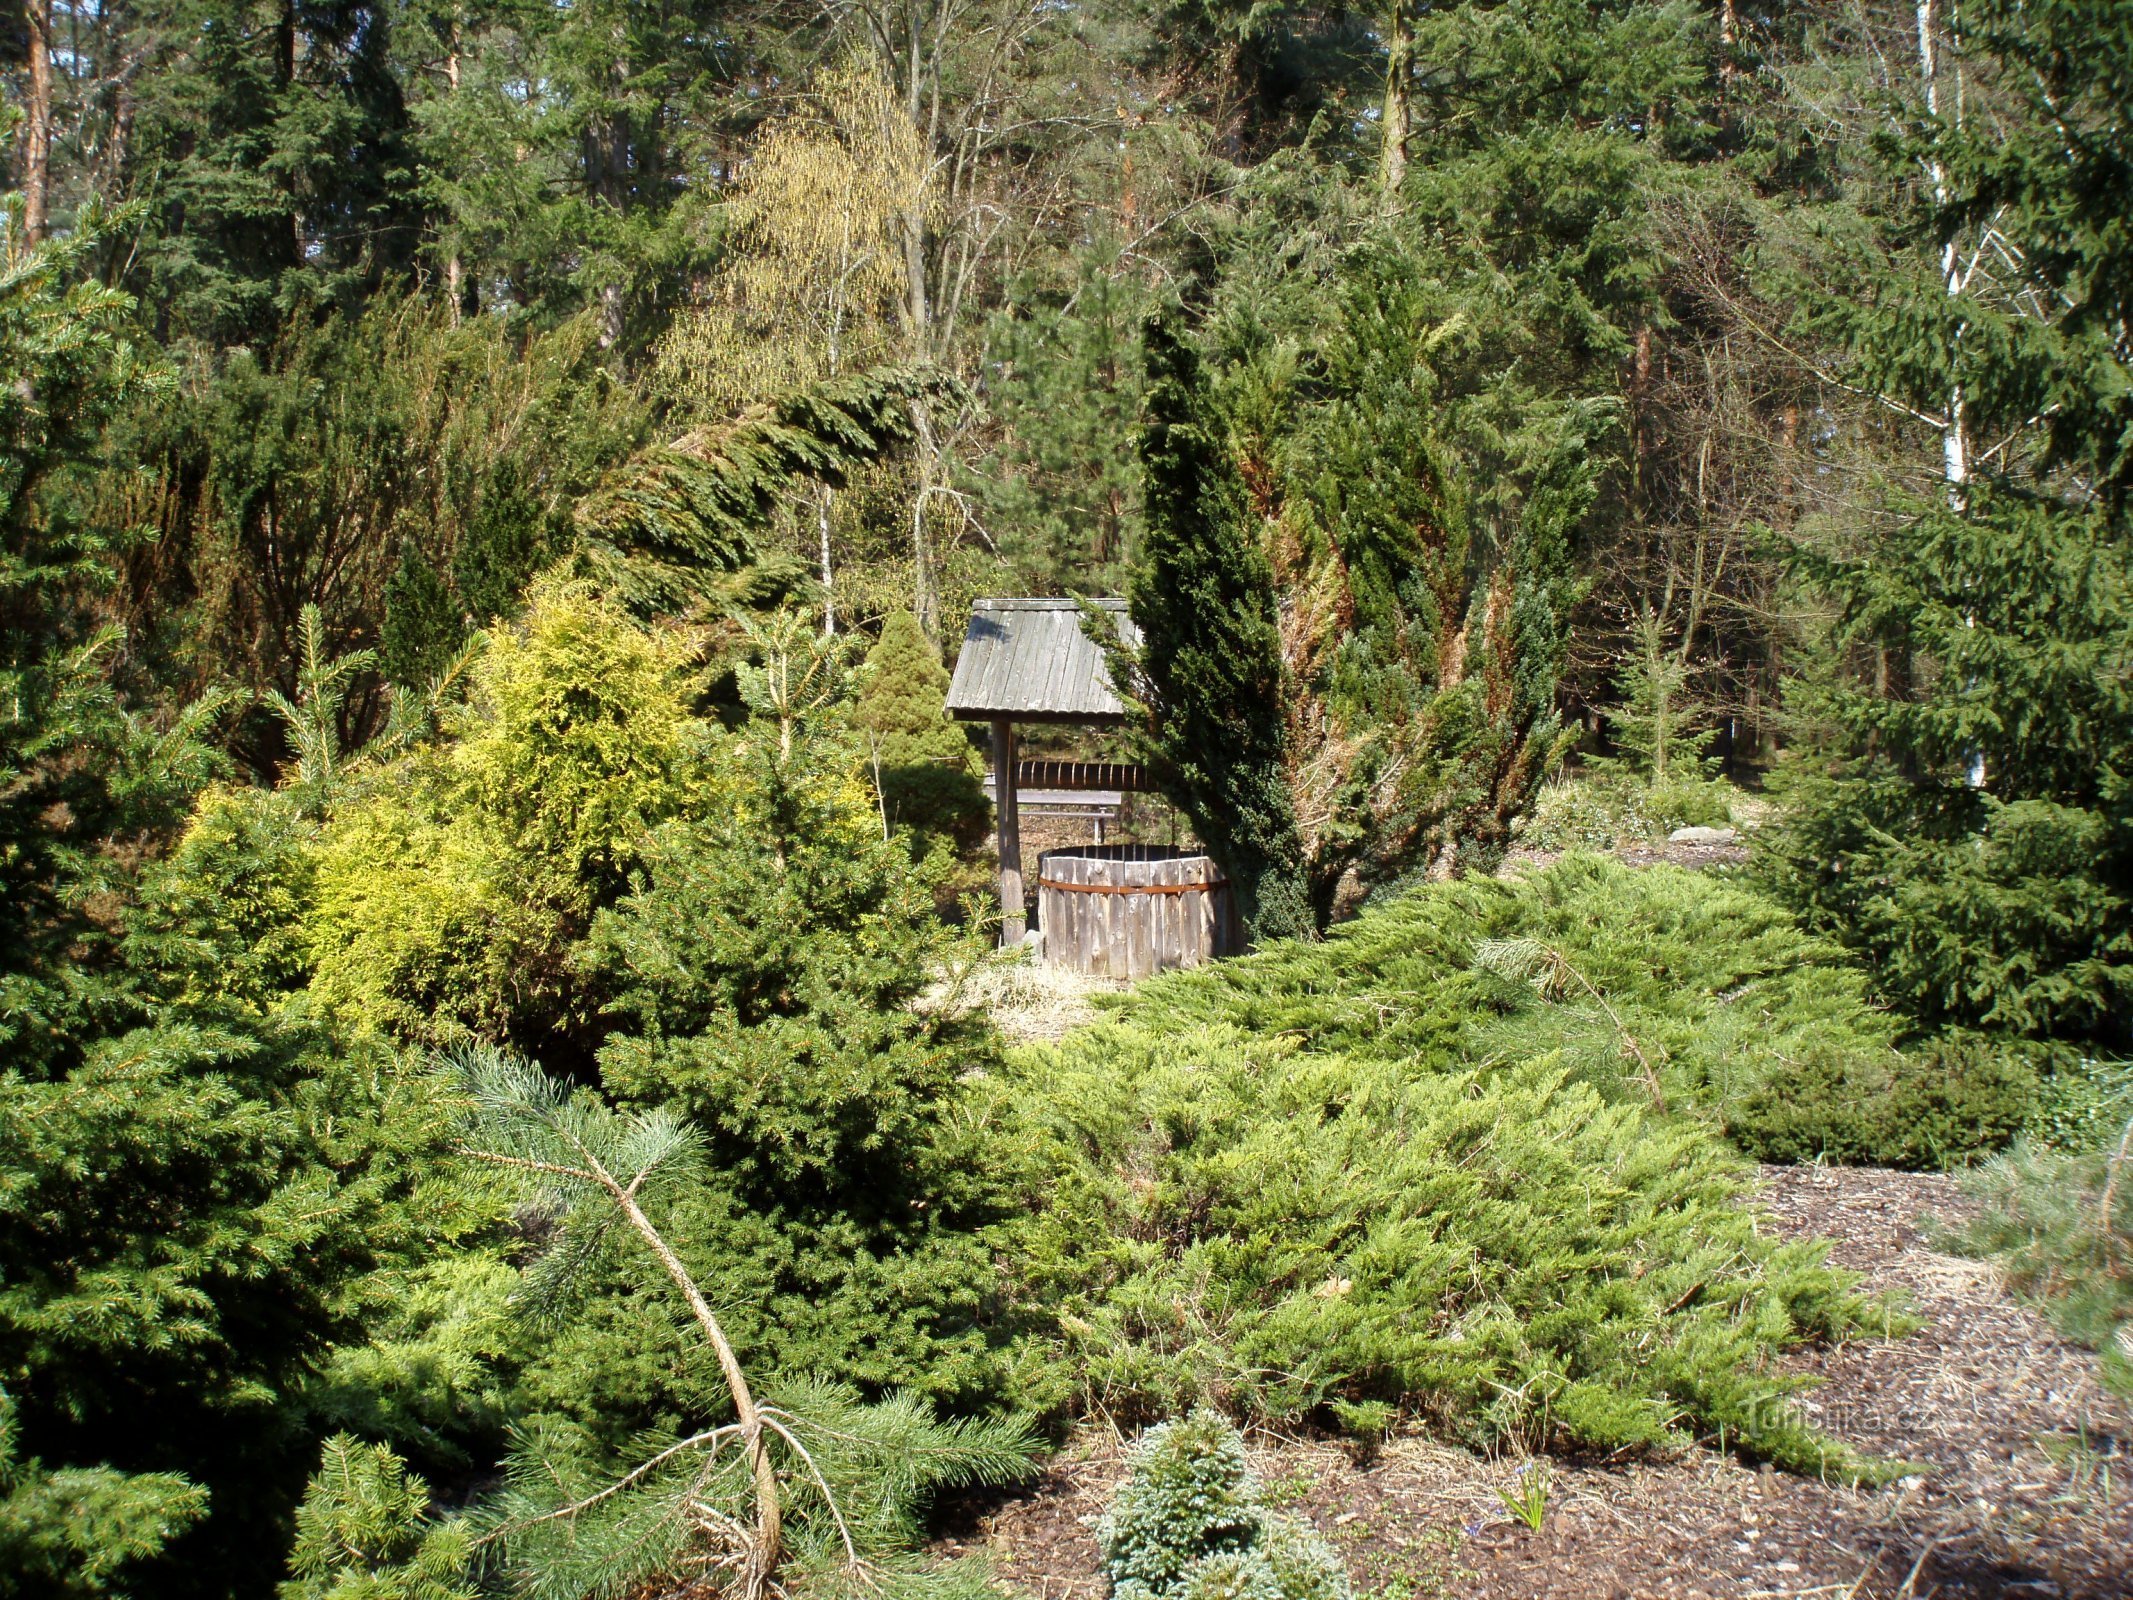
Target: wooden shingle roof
[{"x": 1029, "y": 661}]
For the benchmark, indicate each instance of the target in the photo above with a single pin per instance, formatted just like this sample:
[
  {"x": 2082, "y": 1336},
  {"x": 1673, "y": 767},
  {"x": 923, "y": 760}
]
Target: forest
[{"x": 508, "y": 1080}]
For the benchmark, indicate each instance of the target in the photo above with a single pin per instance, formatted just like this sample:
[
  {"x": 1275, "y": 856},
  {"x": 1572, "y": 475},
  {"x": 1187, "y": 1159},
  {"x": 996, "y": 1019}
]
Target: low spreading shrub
[
  {"x": 1189, "y": 1523},
  {"x": 1496, "y": 1249},
  {"x": 1743, "y": 1019},
  {"x": 1922, "y": 1109}
]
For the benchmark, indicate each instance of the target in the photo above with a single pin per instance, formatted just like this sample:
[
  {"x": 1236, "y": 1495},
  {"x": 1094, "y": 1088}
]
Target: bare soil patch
[{"x": 2028, "y": 1487}]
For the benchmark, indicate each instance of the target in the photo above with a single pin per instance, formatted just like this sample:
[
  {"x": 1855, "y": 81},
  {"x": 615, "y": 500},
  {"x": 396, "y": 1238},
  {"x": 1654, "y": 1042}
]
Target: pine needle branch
[
  {"x": 516, "y": 1099},
  {"x": 1553, "y": 975},
  {"x": 578, "y": 1507}
]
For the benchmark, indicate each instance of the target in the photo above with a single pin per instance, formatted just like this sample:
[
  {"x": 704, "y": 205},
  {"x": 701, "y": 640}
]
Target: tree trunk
[
  {"x": 923, "y": 600},
  {"x": 1954, "y": 438},
  {"x": 822, "y": 525},
  {"x": 1640, "y": 382},
  {"x": 611, "y": 145},
  {"x": 37, "y": 128},
  {"x": 918, "y": 335},
  {"x": 769, "y": 1514},
  {"x": 1399, "y": 75},
  {"x": 1014, "y": 913},
  {"x": 454, "y": 269}
]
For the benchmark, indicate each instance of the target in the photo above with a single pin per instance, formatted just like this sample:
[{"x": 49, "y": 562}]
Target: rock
[{"x": 1702, "y": 836}]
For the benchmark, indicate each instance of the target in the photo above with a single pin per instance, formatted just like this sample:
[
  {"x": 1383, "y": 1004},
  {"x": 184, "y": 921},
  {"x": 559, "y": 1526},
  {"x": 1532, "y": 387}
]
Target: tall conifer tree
[
  {"x": 1209, "y": 672},
  {"x": 1977, "y": 839}
]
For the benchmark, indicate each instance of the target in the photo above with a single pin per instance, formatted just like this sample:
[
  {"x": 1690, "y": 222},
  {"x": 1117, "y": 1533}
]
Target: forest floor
[{"x": 2027, "y": 1488}]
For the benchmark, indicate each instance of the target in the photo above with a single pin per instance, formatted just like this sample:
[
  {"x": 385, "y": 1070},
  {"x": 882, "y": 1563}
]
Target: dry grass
[{"x": 1029, "y": 1001}]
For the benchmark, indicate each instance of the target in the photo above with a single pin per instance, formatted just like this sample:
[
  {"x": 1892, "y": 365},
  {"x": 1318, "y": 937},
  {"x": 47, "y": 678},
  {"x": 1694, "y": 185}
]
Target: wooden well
[{"x": 1128, "y": 910}]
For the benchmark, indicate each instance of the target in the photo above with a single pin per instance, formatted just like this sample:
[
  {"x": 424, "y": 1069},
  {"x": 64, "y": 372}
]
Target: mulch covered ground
[{"x": 2028, "y": 1492}]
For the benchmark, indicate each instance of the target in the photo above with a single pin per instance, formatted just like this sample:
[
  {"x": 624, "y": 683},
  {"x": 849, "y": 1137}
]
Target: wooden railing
[{"x": 1123, "y": 777}]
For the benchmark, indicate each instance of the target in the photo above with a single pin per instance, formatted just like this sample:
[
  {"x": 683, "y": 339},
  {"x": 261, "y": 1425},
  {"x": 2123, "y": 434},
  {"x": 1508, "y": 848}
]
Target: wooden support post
[{"x": 1014, "y": 920}]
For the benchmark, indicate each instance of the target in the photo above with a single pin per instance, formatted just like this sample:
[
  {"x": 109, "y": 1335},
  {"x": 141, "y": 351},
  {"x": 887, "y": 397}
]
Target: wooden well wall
[{"x": 1130, "y": 910}]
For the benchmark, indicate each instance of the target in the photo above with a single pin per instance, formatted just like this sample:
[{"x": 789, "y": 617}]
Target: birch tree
[{"x": 817, "y": 268}]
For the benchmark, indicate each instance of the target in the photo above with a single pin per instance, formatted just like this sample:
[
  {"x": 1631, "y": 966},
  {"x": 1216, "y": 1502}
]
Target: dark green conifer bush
[
  {"x": 807, "y": 1488},
  {"x": 1930, "y": 1105},
  {"x": 72, "y": 1532},
  {"x": 773, "y": 976},
  {"x": 2005, "y": 902},
  {"x": 1189, "y": 1524}
]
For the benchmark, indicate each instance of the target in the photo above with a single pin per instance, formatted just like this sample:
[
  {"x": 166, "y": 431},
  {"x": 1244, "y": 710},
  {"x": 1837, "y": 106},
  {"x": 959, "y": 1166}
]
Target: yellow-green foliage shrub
[
  {"x": 410, "y": 925},
  {"x": 452, "y": 880},
  {"x": 231, "y": 902},
  {"x": 572, "y": 740}
]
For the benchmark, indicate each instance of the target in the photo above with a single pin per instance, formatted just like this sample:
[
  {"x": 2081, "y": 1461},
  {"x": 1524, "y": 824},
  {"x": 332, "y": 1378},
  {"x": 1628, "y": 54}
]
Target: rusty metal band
[{"x": 1124, "y": 888}]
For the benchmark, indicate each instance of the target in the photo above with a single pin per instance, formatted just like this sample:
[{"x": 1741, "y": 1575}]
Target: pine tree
[{"x": 1064, "y": 500}]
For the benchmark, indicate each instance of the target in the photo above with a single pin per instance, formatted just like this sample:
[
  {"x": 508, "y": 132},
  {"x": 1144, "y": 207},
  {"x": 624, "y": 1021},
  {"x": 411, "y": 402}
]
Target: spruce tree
[
  {"x": 1969, "y": 831},
  {"x": 772, "y": 977},
  {"x": 924, "y": 766}
]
